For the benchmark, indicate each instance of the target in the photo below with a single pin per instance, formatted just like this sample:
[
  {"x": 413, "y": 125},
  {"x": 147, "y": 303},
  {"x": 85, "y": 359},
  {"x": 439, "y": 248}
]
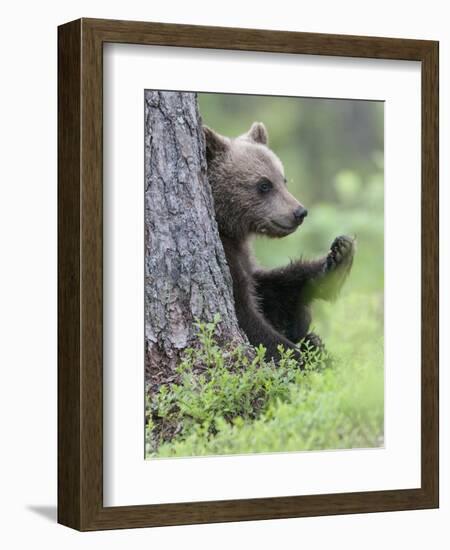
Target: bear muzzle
[{"x": 300, "y": 214}]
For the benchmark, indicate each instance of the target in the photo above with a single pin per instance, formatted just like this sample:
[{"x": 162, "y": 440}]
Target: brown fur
[{"x": 251, "y": 197}]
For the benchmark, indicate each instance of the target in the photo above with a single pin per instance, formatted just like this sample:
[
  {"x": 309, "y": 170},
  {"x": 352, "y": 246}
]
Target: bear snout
[{"x": 300, "y": 214}]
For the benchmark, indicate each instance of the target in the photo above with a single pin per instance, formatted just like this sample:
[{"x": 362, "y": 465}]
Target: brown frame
[{"x": 80, "y": 415}]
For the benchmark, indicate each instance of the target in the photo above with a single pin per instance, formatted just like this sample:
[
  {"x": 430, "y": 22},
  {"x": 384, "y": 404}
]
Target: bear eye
[{"x": 264, "y": 185}]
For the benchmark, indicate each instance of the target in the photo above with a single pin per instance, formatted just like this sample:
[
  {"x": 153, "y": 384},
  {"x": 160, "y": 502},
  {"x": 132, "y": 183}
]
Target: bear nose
[{"x": 300, "y": 214}]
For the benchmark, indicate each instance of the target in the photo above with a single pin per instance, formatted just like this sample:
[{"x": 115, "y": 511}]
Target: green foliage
[
  {"x": 232, "y": 384},
  {"x": 242, "y": 405}
]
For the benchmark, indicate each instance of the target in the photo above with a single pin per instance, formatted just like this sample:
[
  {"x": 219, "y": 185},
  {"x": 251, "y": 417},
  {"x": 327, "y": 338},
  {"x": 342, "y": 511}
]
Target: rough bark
[{"x": 186, "y": 275}]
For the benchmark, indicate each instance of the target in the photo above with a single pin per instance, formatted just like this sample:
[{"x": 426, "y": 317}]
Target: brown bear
[{"x": 251, "y": 197}]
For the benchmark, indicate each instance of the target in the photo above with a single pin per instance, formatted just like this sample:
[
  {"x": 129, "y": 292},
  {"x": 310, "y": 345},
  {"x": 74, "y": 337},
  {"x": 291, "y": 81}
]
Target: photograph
[
  {"x": 264, "y": 274},
  {"x": 248, "y": 274}
]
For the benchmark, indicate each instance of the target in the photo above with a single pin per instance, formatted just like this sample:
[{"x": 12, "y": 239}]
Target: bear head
[{"x": 249, "y": 186}]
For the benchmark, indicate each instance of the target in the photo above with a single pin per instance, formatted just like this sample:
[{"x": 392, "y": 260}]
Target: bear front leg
[
  {"x": 260, "y": 331},
  {"x": 306, "y": 280}
]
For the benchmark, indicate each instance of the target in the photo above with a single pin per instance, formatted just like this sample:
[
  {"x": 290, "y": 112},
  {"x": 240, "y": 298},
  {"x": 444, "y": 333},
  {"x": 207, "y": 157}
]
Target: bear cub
[{"x": 251, "y": 197}]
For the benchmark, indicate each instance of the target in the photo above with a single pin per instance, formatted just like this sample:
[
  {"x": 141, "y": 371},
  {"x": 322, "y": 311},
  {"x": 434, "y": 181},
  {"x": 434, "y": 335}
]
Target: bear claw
[
  {"x": 341, "y": 252},
  {"x": 312, "y": 340}
]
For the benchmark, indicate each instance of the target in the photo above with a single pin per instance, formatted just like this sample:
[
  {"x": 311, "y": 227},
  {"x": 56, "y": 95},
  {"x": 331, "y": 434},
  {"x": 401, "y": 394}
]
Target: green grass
[{"x": 240, "y": 405}]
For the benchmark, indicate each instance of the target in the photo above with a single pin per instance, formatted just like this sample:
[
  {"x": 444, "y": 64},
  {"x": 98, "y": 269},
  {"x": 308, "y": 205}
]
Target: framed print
[{"x": 248, "y": 274}]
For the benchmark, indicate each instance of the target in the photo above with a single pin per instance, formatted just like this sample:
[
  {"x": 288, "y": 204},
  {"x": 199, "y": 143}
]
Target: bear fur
[{"x": 251, "y": 197}]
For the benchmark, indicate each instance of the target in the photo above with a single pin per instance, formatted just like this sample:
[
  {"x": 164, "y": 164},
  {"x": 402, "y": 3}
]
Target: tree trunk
[{"x": 186, "y": 274}]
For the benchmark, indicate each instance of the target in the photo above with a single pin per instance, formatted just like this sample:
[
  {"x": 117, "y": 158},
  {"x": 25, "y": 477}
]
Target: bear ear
[
  {"x": 215, "y": 143},
  {"x": 258, "y": 133}
]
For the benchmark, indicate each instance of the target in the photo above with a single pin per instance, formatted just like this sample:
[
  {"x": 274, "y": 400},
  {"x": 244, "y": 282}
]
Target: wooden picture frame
[{"x": 80, "y": 271}]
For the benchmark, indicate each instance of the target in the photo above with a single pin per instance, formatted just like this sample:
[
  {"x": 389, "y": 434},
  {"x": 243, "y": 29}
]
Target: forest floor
[{"x": 240, "y": 406}]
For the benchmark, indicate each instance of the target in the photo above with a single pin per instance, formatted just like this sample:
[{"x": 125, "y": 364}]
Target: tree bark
[{"x": 186, "y": 274}]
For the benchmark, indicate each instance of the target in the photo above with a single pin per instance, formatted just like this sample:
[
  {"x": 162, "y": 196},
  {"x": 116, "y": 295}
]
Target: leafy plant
[
  {"x": 242, "y": 404},
  {"x": 218, "y": 385}
]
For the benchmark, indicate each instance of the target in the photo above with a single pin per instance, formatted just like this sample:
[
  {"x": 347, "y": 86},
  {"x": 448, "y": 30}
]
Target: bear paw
[
  {"x": 312, "y": 341},
  {"x": 341, "y": 253}
]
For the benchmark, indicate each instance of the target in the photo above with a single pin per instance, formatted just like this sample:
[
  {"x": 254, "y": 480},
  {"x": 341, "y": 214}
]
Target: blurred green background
[{"x": 332, "y": 151}]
